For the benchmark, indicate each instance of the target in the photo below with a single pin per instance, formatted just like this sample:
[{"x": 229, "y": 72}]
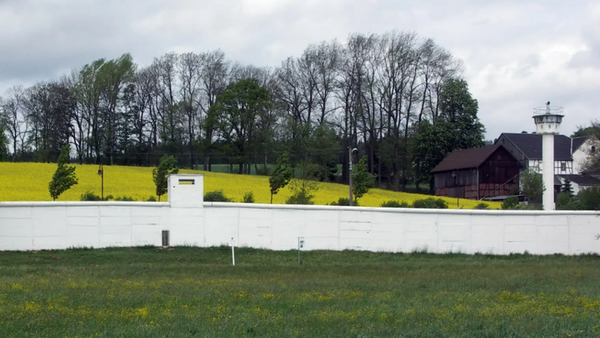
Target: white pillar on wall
[
  {"x": 186, "y": 212},
  {"x": 547, "y": 122}
]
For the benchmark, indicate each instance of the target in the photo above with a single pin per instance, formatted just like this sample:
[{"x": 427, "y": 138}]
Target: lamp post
[
  {"x": 455, "y": 191},
  {"x": 101, "y": 173},
  {"x": 350, "y": 152}
]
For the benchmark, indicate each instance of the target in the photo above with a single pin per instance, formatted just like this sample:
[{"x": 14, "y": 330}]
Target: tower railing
[{"x": 554, "y": 110}]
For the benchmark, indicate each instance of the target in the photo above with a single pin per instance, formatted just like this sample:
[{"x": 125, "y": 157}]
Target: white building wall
[
  {"x": 582, "y": 154},
  {"x": 536, "y": 165},
  {"x": 62, "y": 225}
]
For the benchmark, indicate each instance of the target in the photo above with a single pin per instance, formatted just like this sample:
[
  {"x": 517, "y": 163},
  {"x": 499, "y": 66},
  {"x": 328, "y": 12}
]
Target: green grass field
[{"x": 193, "y": 292}]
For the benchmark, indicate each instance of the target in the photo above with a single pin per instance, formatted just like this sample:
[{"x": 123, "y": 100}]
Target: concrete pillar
[{"x": 548, "y": 171}]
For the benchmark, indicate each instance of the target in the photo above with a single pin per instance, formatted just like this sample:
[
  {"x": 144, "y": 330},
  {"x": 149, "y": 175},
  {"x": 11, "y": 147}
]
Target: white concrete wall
[
  {"x": 50, "y": 225},
  {"x": 401, "y": 230},
  {"x": 61, "y": 225}
]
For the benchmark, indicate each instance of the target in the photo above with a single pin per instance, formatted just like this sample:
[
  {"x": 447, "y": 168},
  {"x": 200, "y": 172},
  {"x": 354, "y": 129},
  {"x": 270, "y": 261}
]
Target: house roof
[
  {"x": 467, "y": 158},
  {"x": 531, "y": 145},
  {"x": 582, "y": 180},
  {"x": 578, "y": 142}
]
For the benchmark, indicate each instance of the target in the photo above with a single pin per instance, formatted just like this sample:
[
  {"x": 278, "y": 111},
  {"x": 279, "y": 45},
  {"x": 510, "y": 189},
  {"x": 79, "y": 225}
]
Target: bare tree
[
  {"x": 13, "y": 117},
  {"x": 190, "y": 66},
  {"x": 214, "y": 77}
]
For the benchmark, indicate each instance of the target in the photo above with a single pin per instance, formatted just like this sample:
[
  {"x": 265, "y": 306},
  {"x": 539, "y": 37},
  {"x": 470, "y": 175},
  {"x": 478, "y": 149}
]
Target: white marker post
[
  {"x": 300, "y": 247},
  {"x": 232, "y": 243}
]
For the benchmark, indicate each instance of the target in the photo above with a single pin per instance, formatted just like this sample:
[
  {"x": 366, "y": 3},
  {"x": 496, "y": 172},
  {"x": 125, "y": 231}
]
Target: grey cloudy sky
[{"x": 517, "y": 54}]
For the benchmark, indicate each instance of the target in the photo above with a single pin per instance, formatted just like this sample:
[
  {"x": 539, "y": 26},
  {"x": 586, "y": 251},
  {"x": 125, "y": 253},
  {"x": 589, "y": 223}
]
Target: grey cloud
[{"x": 500, "y": 40}]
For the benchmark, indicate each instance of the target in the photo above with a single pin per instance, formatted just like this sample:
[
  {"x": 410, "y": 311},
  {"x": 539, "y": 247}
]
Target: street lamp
[
  {"x": 350, "y": 152},
  {"x": 455, "y": 191},
  {"x": 101, "y": 173}
]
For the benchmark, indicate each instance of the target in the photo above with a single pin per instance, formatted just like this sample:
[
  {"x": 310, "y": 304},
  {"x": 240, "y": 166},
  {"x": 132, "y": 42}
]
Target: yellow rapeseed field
[{"x": 29, "y": 182}]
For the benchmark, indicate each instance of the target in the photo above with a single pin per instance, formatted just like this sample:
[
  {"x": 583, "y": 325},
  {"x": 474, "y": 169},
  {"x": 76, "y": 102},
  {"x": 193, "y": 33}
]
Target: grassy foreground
[
  {"x": 29, "y": 182},
  {"x": 192, "y": 292}
]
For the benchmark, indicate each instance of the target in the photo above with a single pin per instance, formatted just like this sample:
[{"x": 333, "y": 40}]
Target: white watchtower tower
[{"x": 547, "y": 122}]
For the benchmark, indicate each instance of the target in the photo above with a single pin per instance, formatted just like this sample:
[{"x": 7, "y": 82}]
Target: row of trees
[{"x": 398, "y": 98}]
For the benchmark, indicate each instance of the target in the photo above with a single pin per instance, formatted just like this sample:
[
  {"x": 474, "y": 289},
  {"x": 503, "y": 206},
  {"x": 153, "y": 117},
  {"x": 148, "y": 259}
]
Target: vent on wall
[{"x": 186, "y": 182}]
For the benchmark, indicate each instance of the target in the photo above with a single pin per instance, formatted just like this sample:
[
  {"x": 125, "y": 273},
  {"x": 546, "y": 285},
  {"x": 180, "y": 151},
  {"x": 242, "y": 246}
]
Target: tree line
[{"x": 398, "y": 98}]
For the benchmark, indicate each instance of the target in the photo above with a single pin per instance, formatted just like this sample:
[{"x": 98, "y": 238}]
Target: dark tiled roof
[
  {"x": 582, "y": 180},
  {"x": 467, "y": 158},
  {"x": 531, "y": 145},
  {"x": 577, "y": 142}
]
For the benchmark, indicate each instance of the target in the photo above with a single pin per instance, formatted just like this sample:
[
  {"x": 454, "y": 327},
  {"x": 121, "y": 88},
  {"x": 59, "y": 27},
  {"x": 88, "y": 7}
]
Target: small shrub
[
  {"x": 216, "y": 196},
  {"x": 151, "y": 199},
  {"x": 125, "y": 199},
  {"x": 301, "y": 197},
  {"x": 430, "y": 203},
  {"x": 528, "y": 207},
  {"x": 89, "y": 196},
  {"x": 395, "y": 204},
  {"x": 482, "y": 206},
  {"x": 589, "y": 198},
  {"x": 249, "y": 197},
  {"x": 343, "y": 201},
  {"x": 563, "y": 201},
  {"x": 510, "y": 203}
]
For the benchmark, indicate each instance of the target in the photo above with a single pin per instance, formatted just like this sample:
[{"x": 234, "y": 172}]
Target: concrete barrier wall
[
  {"x": 61, "y": 225},
  {"x": 402, "y": 230},
  {"x": 50, "y": 225}
]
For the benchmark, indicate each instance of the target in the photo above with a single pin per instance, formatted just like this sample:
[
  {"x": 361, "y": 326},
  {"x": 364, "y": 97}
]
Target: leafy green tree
[
  {"x": 3, "y": 145},
  {"x": 433, "y": 144},
  {"x": 243, "y": 118},
  {"x": 566, "y": 188},
  {"x": 64, "y": 176},
  {"x": 303, "y": 187},
  {"x": 167, "y": 166},
  {"x": 362, "y": 180},
  {"x": 281, "y": 176},
  {"x": 460, "y": 109},
  {"x": 592, "y": 129},
  {"x": 323, "y": 148},
  {"x": 589, "y": 198},
  {"x": 457, "y": 127},
  {"x": 532, "y": 186}
]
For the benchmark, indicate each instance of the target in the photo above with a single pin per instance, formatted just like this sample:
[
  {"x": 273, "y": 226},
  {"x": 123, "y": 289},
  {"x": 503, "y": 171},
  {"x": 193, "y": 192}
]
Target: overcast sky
[{"x": 517, "y": 54}]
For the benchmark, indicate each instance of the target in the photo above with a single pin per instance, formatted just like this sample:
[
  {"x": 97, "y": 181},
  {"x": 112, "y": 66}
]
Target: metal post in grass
[
  {"x": 232, "y": 243},
  {"x": 300, "y": 247}
]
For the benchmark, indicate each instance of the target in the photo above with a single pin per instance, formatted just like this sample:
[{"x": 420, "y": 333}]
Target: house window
[{"x": 563, "y": 166}]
